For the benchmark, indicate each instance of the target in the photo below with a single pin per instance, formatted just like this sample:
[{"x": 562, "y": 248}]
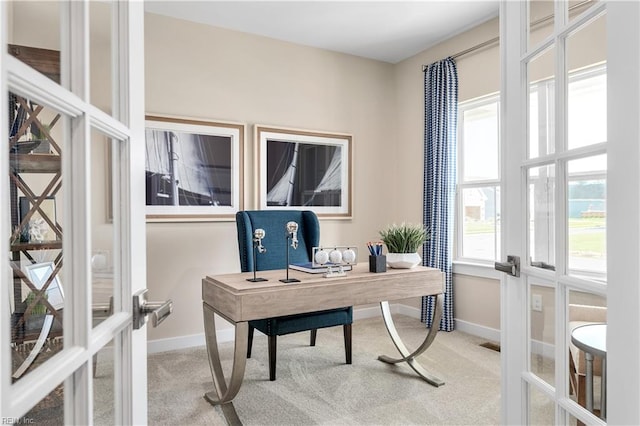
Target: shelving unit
[{"x": 22, "y": 167}]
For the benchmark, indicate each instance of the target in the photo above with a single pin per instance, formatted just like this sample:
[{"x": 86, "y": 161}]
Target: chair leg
[
  {"x": 347, "y": 342},
  {"x": 314, "y": 334},
  {"x": 250, "y": 342},
  {"x": 272, "y": 357}
]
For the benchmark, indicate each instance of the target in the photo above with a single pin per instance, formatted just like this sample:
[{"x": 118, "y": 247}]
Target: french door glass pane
[
  {"x": 36, "y": 24},
  {"x": 480, "y": 229},
  {"x": 576, "y": 7},
  {"x": 542, "y": 408},
  {"x": 584, "y": 309},
  {"x": 541, "y": 186},
  {"x": 35, "y": 188},
  {"x": 48, "y": 411},
  {"x": 541, "y": 84},
  {"x": 103, "y": 228},
  {"x": 104, "y": 386},
  {"x": 541, "y": 19},
  {"x": 587, "y": 92},
  {"x": 480, "y": 152},
  {"x": 587, "y": 210},
  {"x": 101, "y": 42},
  {"x": 542, "y": 331}
]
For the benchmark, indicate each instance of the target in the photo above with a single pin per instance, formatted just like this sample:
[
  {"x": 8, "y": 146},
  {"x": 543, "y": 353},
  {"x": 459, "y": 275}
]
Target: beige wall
[{"x": 199, "y": 71}]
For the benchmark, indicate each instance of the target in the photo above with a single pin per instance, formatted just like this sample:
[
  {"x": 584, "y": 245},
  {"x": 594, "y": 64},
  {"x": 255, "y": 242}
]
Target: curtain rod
[{"x": 496, "y": 40}]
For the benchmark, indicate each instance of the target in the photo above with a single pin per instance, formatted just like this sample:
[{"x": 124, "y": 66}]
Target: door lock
[
  {"x": 511, "y": 266},
  {"x": 159, "y": 311}
]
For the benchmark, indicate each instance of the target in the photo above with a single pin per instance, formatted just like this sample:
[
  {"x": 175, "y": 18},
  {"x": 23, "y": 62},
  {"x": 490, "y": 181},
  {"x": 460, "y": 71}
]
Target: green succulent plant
[{"x": 404, "y": 238}]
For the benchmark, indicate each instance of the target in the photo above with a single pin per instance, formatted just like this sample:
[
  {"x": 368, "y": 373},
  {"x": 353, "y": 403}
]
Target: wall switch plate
[{"x": 536, "y": 302}]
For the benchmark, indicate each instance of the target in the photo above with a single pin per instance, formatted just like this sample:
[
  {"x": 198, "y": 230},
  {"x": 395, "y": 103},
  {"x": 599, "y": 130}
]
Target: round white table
[{"x": 592, "y": 340}]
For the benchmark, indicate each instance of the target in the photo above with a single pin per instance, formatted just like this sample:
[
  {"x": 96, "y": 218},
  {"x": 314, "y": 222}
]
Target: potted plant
[
  {"x": 36, "y": 319},
  {"x": 403, "y": 242}
]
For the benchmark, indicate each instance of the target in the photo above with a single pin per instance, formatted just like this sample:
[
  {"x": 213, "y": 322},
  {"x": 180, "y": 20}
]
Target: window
[
  {"x": 479, "y": 180},
  {"x": 479, "y": 175}
]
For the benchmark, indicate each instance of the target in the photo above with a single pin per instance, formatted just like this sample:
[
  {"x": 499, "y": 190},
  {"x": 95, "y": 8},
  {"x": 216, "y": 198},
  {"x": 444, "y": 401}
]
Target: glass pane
[
  {"x": 101, "y": 67},
  {"x": 542, "y": 331},
  {"x": 481, "y": 227},
  {"x": 49, "y": 411},
  {"x": 103, "y": 228},
  {"x": 542, "y": 409},
  {"x": 35, "y": 256},
  {"x": 481, "y": 150},
  {"x": 573, "y": 421},
  {"x": 586, "y": 313},
  {"x": 541, "y": 20},
  {"x": 541, "y": 186},
  {"x": 587, "y": 92},
  {"x": 103, "y": 386},
  {"x": 577, "y": 7},
  {"x": 541, "y": 83},
  {"x": 34, "y": 35},
  {"x": 587, "y": 208}
]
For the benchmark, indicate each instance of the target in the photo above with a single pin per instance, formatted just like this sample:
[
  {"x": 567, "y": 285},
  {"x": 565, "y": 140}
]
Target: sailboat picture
[
  {"x": 192, "y": 169},
  {"x": 304, "y": 170}
]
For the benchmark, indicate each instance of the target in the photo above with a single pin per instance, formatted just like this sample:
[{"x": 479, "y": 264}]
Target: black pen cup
[{"x": 378, "y": 263}]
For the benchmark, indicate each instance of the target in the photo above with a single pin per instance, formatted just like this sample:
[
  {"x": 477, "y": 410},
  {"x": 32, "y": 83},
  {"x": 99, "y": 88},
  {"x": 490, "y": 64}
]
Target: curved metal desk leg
[
  {"x": 409, "y": 357},
  {"x": 223, "y": 394}
]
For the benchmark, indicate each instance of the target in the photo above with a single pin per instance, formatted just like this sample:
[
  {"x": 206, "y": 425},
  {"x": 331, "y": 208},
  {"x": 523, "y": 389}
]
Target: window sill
[{"x": 482, "y": 270}]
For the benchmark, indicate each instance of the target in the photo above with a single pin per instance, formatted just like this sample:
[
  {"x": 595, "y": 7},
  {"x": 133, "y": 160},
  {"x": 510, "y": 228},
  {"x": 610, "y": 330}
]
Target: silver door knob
[{"x": 159, "y": 311}]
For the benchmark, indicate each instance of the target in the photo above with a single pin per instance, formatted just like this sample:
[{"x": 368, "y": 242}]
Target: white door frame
[{"x": 623, "y": 223}]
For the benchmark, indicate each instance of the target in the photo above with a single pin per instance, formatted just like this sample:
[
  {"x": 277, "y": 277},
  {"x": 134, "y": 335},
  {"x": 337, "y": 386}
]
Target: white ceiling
[{"x": 388, "y": 31}]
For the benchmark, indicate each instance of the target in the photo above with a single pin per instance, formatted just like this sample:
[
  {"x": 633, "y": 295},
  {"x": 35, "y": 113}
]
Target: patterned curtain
[{"x": 440, "y": 140}]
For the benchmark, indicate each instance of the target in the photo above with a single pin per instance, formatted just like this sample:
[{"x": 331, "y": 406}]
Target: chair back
[{"x": 274, "y": 224}]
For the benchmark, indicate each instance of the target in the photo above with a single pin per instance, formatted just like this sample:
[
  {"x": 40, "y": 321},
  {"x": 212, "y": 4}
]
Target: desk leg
[
  {"x": 409, "y": 357},
  {"x": 223, "y": 394}
]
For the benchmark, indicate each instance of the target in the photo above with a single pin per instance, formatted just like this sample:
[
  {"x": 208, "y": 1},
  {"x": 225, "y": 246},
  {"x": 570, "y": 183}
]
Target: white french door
[
  {"x": 72, "y": 214},
  {"x": 570, "y": 101}
]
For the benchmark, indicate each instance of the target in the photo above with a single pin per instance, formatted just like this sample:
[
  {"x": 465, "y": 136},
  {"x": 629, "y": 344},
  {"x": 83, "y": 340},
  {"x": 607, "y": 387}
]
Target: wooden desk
[{"x": 239, "y": 301}]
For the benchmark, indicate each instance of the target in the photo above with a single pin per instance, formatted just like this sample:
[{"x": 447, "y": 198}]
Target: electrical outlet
[{"x": 536, "y": 302}]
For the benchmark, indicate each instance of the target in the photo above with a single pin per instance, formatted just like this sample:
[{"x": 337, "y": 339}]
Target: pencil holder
[{"x": 378, "y": 263}]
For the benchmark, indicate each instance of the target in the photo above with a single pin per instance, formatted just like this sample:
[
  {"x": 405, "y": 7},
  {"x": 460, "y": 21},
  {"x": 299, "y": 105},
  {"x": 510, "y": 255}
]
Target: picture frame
[
  {"x": 303, "y": 169},
  {"x": 39, "y": 273},
  {"x": 193, "y": 169},
  {"x": 48, "y": 206}
]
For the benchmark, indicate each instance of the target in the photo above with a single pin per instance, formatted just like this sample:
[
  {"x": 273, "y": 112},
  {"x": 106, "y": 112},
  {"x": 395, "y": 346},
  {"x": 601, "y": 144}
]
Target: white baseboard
[
  {"x": 478, "y": 330},
  {"x": 227, "y": 334}
]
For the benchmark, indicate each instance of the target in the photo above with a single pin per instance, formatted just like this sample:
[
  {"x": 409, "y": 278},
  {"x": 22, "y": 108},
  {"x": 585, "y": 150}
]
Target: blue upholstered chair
[{"x": 274, "y": 222}]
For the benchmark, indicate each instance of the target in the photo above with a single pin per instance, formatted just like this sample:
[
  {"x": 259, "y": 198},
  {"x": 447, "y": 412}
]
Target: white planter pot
[{"x": 403, "y": 260}]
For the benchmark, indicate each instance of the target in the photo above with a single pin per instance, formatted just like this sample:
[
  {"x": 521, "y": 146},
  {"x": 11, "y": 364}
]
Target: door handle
[
  {"x": 159, "y": 311},
  {"x": 511, "y": 266},
  {"x": 543, "y": 265}
]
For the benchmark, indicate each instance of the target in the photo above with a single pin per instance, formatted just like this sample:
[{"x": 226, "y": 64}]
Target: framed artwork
[
  {"x": 193, "y": 169},
  {"x": 39, "y": 274},
  {"x": 38, "y": 228},
  {"x": 300, "y": 169}
]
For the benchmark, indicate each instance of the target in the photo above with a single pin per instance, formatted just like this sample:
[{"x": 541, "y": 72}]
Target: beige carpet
[{"x": 314, "y": 386}]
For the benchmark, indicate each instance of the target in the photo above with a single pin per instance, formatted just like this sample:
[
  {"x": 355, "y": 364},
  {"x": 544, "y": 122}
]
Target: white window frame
[{"x": 466, "y": 264}]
